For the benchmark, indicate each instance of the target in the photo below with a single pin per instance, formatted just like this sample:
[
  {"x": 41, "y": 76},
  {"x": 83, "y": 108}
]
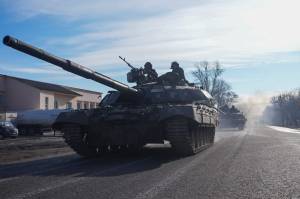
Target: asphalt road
[{"x": 254, "y": 163}]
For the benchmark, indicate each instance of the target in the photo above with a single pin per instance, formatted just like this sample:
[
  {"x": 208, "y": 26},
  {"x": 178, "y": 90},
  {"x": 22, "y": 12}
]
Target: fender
[
  {"x": 73, "y": 117},
  {"x": 178, "y": 111}
]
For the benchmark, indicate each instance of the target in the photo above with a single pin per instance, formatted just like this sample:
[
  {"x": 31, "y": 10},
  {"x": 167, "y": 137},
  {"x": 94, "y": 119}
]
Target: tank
[
  {"x": 129, "y": 117},
  {"x": 232, "y": 118}
]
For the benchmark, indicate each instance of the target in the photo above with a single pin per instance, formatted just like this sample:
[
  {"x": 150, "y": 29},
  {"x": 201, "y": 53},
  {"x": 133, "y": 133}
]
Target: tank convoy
[
  {"x": 231, "y": 117},
  {"x": 164, "y": 108}
]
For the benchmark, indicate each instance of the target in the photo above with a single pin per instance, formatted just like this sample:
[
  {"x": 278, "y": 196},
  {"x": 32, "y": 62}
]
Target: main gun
[{"x": 67, "y": 65}]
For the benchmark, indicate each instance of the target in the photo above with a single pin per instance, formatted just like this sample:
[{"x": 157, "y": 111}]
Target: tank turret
[
  {"x": 232, "y": 118},
  {"x": 67, "y": 65}
]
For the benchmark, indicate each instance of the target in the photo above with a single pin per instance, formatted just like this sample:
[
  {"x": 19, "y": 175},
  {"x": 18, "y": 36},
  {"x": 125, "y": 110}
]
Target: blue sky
[{"x": 257, "y": 41}]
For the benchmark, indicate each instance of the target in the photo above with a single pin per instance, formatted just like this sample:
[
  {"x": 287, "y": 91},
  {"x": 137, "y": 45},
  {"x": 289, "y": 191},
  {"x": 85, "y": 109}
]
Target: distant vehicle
[
  {"x": 35, "y": 122},
  {"x": 7, "y": 129},
  {"x": 231, "y": 118}
]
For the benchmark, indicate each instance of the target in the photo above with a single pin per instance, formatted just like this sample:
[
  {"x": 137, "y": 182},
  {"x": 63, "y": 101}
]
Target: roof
[
  {"x": 83, "y": 90},
  {"x": 47, "y": 86}
]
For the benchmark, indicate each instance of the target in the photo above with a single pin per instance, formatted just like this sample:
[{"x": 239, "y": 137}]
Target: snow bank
[{"x": 284, "y": 129}]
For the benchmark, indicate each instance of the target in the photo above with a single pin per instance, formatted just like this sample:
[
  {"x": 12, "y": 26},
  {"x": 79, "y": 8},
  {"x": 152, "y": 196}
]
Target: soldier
[
  {"x": 150, "y": 73},
  {"x": 178, "y": 70},
  {"x": 233, "y": 109}
]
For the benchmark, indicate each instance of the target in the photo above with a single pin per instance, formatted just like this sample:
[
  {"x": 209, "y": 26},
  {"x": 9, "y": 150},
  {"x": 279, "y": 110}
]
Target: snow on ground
[{"x": 284, "y": 129}]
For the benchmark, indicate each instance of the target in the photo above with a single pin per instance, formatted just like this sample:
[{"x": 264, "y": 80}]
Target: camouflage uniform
[
  {"x": 150, "y": 74},
  {"x": 176, "y": 69}
]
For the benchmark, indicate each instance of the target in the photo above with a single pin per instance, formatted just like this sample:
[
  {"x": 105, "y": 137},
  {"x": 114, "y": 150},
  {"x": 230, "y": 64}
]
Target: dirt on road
[{"x": 22, "y": 148}]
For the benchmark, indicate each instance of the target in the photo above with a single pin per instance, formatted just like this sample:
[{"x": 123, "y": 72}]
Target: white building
[{"x": 17, "y": 94}]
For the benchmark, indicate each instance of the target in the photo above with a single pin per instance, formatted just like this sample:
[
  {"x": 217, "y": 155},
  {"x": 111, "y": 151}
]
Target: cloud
[
  {"x": 237, "y": 33},
  {"x": 33, "y": 70},
  {"x": 231, "y": 32},
  {"x": 77, "y": 9}
]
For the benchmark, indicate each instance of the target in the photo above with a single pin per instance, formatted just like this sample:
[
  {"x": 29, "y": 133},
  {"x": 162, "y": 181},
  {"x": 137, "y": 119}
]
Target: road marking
[{"x": 74, "y": 180}]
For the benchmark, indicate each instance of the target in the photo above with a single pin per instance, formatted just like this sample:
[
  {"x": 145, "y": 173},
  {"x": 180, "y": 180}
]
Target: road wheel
[
  {"x": 77, "y": 139},
  {"x": 213, "y": 132},
  {"x": 182, "y": 136},
  {"x": 103, "y": 149},
  {"x": 134, "y": 149},
  {"x": 187, "y": 137},
  {"x": 22, "y": 131},
  {"x": 114, "y": 148}
]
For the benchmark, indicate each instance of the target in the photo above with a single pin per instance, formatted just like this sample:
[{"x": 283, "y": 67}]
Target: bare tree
[
  {"x": 285, "y": 109},
  {"x": 209, "y": 77}
]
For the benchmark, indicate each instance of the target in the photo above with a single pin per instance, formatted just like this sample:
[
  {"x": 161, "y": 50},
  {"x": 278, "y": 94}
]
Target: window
[
  {"x": 46, "y": 103},
  {"x": 86, "y": 105},
  {"x": 78, "y": 105},
  {"x": 92, "y": 105},
  {"x": 69, "y": 105},
  {"x": 55, "y": 104}
]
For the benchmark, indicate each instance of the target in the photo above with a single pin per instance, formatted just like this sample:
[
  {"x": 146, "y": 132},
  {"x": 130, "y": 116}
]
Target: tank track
[
  {"x": 187, "y": 138},
  {"x": 76, "y": 138}
]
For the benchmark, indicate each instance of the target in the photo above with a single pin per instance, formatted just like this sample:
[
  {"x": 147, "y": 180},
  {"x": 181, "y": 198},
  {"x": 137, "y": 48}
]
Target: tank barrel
[{"x": 66, "y": 64}]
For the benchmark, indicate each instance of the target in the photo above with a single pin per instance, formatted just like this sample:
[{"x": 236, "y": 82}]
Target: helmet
[
  {"x": 174, "y": 64},
  {"x": 148, "y": 65}
]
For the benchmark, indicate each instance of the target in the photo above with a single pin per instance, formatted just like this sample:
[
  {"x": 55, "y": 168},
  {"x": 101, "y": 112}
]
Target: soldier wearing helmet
[
  {"x": 150, "y": 74},
  {"x": 176, "y": 69}
]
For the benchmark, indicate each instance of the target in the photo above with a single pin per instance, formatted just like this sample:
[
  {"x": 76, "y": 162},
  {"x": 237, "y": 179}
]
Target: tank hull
[
  {"x": 123, "y": 127},
  {"x": 233, "y": 121}
]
